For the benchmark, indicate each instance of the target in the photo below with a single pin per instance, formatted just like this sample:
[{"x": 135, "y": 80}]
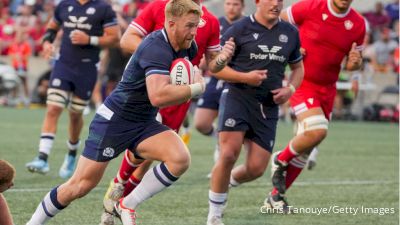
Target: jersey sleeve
[
  {"x": 155, "y": 62},
  {"x": 230, "y": 32},
  {"x": 145, "y": 22},
  {"x": 296, "y": 55},
  {"x": 360, "y": 41},
  {"x": 57, "y": 11},
  {"x": 110, "y": 19},
  {"x": 299, "y": 11},
  {"x": 214, "y": 41}
]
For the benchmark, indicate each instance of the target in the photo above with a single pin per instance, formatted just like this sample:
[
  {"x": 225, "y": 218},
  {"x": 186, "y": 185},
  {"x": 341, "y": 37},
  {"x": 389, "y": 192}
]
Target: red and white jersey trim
[{"x": 139, "y": 28}]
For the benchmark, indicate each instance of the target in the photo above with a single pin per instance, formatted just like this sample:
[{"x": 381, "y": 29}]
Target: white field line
[{"x": 304, "y": 183}]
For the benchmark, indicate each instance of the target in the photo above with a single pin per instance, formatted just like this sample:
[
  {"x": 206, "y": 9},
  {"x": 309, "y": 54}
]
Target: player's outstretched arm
[
  {"x": 162, "y": 93},
  {"x": 130, "y": 40}
]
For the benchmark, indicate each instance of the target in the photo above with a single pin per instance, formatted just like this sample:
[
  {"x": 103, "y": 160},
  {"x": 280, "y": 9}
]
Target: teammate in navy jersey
[
  {"x": 207, "y": 105},
  {"x": 127, "y": 119},
  {"x": 87, "y": 25},
  {"x": 248, "y": 110}
]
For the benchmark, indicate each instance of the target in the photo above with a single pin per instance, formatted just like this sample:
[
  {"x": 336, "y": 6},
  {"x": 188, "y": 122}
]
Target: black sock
[
  {"x": 72, "y": 153},
  {"x": 43, "y": 156}
]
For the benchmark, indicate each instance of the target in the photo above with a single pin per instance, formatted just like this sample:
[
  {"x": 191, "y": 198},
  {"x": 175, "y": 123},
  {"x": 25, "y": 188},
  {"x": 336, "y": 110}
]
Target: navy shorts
[
  {"x": 240, "y": 112},
  {"x": 77, "y": 78},
  {"x": 110, "y": 135},
  {"x": 212, "y": 94}
]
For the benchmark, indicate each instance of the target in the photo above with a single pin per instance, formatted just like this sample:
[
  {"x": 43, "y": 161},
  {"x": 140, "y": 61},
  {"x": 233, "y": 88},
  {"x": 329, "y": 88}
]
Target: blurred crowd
[{"x": 23, "y": 23}]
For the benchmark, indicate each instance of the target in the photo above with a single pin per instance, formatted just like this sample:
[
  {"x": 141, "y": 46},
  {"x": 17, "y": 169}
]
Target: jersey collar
[
  {"x": 253, "y": 20},
  {"x": 339, "y": 15}
]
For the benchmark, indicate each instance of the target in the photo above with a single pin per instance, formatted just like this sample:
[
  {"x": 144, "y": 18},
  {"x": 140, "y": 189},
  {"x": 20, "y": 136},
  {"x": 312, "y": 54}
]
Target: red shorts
[
  {"x": 310, "y": 95},
  {"x": 173, "y": 116}
]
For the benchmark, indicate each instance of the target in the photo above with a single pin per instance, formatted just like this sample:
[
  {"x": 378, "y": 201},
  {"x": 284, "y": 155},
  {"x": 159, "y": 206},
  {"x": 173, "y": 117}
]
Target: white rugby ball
[{"x": 182, "y": 72}]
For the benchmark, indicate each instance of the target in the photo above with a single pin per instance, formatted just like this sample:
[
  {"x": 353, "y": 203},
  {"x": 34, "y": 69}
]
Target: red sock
[
  {"x": 132, "y": 183},
  {"x": 125, "y": 170},
  {"x": 287, "y": 154},
  {"x": 291, "y": 175}
]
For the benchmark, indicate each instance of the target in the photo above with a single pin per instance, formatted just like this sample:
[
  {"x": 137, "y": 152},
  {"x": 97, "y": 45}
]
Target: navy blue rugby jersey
[
  {"x": 90, "y": 18},
  {"x": 223, "y": 24},
  {"x": 258, "y": 48},
  {"x": 153, "y": 56}
]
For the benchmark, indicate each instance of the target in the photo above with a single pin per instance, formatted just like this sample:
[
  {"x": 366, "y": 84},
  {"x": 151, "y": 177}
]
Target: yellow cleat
[
  {"x": 113, "y": 194},
  {"x": 186, "y": 138}
]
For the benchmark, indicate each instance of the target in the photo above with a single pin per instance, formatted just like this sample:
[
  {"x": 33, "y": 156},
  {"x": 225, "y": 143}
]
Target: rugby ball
[{"x": 181, "y": 72}]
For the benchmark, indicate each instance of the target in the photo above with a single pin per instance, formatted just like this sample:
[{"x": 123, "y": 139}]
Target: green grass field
[{"x": 358, "y": 166}]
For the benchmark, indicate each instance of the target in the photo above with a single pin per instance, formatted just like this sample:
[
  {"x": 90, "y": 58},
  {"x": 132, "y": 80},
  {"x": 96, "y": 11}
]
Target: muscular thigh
[{"x": 162, "y": 146}]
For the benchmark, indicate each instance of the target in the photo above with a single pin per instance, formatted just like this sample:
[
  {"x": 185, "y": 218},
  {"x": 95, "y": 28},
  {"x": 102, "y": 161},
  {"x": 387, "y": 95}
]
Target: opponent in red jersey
[
  {"x": 207, "y": 39},
  {"x": 329, "y": 31}
]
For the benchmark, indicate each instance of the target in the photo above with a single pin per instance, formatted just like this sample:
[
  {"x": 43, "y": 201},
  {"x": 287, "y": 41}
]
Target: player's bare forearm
[
  {"x": 297, "y": 74},
  {"x": 111, "y": 37},
  {"x": 217, "y": 61},
  {"x": 162, "y": 93},
  {"x": 211, "y": 59},
  {"x": 230, "y": 75},
  {"x": 52, "y": 25},
  {"x": 130, "y": 40}
]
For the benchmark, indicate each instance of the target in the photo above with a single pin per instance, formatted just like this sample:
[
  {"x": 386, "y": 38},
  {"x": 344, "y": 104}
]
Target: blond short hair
[
  {"x": 179, "y": 8},
  {"x": 7, "y": 172}
]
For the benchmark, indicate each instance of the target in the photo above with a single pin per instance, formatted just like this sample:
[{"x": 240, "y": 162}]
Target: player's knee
[
  {"x": 202, "y": 127},
  {"x": 53, "y": 111},
  {"x": 228, "y": 157},
  {"x": 181, "y": 161},
  {"x": 255, "y": 171},
  {"x": 77, "y": 104},
  {"x": 57, "y": 97}
]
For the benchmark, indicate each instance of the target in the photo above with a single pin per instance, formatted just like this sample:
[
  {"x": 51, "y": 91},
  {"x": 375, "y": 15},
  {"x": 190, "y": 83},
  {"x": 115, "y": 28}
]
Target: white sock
[
  {"x": 73, "y": 147},
  {"x": 216, "y": 204},
  {"x": 46, "y": 142},
  {"x": 313, "y": 155},
  {"x": 46, "y": 209},
  {"x": 233, "y": 182},
  {"x": 155, "y": 180}
]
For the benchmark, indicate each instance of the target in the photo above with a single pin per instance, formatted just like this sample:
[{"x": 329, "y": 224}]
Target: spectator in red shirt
[
  {"x": 36, "y": 33},
  {"x": 19, "y": 51},
  {"x": 6, "y": 30}
]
